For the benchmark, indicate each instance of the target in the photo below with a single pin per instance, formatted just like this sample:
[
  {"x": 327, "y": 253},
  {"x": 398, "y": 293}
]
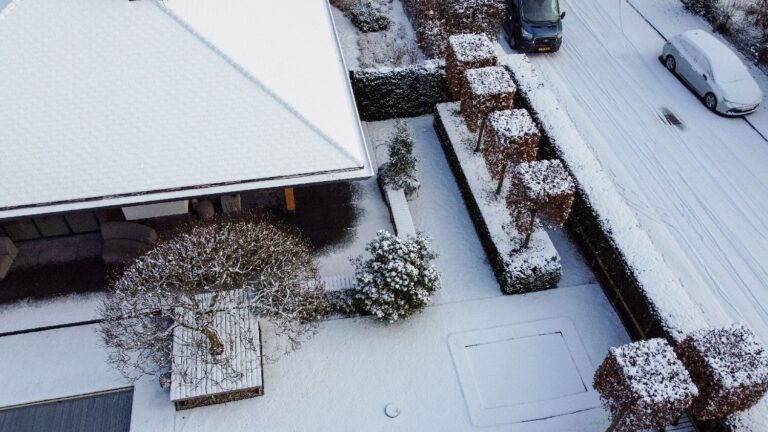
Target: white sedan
[{"x": 713, "y": 71}]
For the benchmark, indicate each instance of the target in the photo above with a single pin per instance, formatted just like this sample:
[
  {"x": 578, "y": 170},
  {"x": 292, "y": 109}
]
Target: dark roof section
[{"x": 98, "y": 413}]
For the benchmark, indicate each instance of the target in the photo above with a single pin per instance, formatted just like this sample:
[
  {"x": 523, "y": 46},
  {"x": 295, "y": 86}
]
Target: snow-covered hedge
[
  {"x": 408, "y": 91},
  {"x": 744, "y": 22},
  {"x": 532, "y": 269}
]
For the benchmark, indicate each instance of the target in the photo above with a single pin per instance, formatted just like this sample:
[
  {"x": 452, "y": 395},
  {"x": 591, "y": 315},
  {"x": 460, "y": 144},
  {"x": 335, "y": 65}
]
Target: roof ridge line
[
  {"x": 160, "y": 4},
  {"x": 9, "y": 8}
]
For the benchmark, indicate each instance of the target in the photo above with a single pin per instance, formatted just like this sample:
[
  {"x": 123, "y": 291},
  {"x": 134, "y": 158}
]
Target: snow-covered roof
[
  {"x": 195, "y": 377},
  {"x": 489, "y": 80},
  {"x": 116, "y": 102}
]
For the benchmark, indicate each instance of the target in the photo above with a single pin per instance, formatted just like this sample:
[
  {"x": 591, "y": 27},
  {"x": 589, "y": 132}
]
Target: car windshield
[
  {"x": 728, "y": 72},
  {"x": 541, "y": 10}
]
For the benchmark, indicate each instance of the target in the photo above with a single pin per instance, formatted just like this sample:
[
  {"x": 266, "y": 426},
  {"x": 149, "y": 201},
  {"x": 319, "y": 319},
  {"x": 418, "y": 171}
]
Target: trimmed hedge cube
[
  {"x": 486, "y": 90},
  {"x": 464, "y": 52},
  {"x": 511, "y": 137},
  {"x": 730, "y": 367},
  {"x": 644, "y": 385}
]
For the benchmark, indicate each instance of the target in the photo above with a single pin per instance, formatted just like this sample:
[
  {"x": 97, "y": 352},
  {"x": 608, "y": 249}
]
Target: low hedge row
[
  {"x": 408, "y": 91},
  {"x": 527, "y": 277}
]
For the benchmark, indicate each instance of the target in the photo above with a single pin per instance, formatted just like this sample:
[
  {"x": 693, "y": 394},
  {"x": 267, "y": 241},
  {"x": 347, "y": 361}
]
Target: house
[{"x": 118, "y": 109}]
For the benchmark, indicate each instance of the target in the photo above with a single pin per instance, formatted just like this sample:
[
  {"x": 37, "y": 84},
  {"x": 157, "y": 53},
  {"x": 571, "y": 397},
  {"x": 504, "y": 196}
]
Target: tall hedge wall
[{"x": 407, "y": 91}]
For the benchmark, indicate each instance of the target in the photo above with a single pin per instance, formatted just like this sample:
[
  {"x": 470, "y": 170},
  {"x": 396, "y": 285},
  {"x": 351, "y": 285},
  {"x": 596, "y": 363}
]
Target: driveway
[{"x": 697, "y": 182}]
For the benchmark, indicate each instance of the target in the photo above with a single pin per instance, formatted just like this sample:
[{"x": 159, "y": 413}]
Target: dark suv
[{"x": 534, "y": 25}]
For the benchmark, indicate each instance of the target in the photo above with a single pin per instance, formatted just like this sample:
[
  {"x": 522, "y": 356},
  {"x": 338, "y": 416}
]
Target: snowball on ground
[
  {"x": 645, "y": 384},
  {"x": 730, "y": 367},
  {"x": 472, "y": 48},
  {"x": 490, "y": 80}
]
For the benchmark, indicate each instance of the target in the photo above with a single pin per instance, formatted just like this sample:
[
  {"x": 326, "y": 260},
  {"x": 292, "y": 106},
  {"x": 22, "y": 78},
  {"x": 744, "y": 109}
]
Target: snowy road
[{"x": 699, "y": 189}]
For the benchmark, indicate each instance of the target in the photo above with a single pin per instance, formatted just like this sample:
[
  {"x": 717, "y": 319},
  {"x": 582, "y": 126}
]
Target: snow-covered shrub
[
  {"x": 704, "y": 8},
  {"x": 431, "y": 36},
  {"x": 485, "y": 90},
  {"x": 400, "y": 172},
  {"x": 398, "y": 279},
  {"x": 464, "y": 52},
  {"x": 744, "y": 22},
  {"x": 344, "y": 5},
  {"x": 435, "y": 20},
  {"x": 530, "y": 271},
  {"x": 730, "y": 368},
  {"x": 644, "y": 386},
  {"x": 539, "y": 188},
  {"x": 370, "y": 15},
  {"x": 476, "y": 16},
  {"x": 408, "y": 91},
  {"x": 272, "y": 267},
  {"x": 512, "y": 137}
]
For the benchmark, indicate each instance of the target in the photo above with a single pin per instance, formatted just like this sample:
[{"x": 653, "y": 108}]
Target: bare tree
[{"x": 210, "y": 271}]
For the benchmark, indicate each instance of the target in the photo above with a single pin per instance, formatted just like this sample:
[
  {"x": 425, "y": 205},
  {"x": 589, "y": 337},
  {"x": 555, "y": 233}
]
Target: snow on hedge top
[
  {"x": 489, "y": 81},
  {"x": 511, "y": 124},
  {"x": 653, "y": 372},
  {"x": 678, "y": 313},
  {"x": 543, "y": 179},
  {"x": 734, "y": 356},
  {"x": 471, "y": 47},
  {"x": 206, "y": 98}
]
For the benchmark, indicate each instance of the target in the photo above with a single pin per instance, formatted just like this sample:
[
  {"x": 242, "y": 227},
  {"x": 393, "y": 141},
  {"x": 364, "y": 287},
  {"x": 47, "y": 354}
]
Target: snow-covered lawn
[
  {"x": 343, "y": 378},
  {"x": 54, "y": 364},
  {"x": 346, "y": 375},
  {"x": 29, "y": 314}
]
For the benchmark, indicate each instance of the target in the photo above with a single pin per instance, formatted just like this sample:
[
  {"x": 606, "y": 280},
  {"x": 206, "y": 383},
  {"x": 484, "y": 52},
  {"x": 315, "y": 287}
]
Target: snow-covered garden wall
[{"x": 408, "y": 91}]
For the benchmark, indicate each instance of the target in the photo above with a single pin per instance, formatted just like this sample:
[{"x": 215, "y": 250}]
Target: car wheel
[
  {"x": 511, "y": 41},
  {"x": 670, "y": 63},
  {"x": 710, "y": 101}
]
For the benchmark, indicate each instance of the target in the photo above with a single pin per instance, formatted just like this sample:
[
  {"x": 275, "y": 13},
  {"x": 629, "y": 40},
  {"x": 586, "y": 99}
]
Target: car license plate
[{"x": 545, "y": 49}]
